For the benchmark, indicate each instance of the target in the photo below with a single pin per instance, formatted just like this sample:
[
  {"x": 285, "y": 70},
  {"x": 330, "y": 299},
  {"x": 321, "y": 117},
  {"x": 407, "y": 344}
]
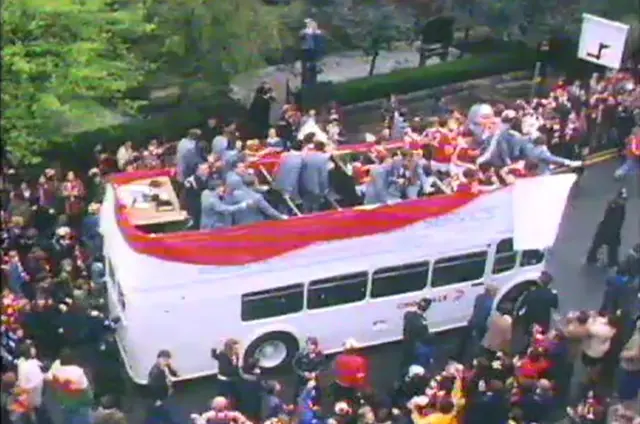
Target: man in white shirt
[{"x": 30, "y": 376}]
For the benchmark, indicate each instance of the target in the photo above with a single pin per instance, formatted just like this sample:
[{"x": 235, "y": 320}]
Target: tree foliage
[
  {"x": 536, "y": 20},
  {"x": 213, "y": 40},
  {"x": 62, "y": 60}
]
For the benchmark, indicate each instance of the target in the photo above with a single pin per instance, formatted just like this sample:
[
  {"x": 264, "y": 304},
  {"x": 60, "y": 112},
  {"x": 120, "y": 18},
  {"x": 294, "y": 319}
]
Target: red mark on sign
[{"x": 453, "y": 296}]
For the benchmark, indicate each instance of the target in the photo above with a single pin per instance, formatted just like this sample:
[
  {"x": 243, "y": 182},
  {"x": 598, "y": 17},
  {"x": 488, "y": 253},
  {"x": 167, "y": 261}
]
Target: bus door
[
  {"x": 336, "y": 308},
  {"x": 395, "y": 289},
  {"x": 455, "y": 282}
]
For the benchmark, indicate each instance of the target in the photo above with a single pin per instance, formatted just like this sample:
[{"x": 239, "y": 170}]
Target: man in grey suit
[
  {"x": 238, "y": 176},
  {"x": 188, "y": 155},
  {"x": 262, "y": 210},
  {"x": 217, "y": 212},
  {"x": 377, "y": 190},
  {"x": 418, "y": 175},
  {"x": 314, "y": 177},
  {"x": 287, "y": 177},
  {"x": 222, "y": 142}
]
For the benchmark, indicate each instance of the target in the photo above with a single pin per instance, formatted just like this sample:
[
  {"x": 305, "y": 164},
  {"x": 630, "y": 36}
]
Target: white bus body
[{"x": 336, "y": 290}]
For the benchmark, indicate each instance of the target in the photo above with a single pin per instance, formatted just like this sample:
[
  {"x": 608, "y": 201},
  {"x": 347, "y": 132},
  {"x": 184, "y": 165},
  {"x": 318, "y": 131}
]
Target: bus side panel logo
[{"x": 454, "y": 296}]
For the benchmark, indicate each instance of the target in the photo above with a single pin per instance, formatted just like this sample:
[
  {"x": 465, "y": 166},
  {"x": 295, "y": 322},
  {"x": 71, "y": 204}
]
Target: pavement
[
  {"x": 335, "y": 68},
  {"x": 579, "y": 287}
]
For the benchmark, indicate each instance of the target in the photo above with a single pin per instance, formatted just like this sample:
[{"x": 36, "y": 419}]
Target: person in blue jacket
[{"x": 308, "y": 411}]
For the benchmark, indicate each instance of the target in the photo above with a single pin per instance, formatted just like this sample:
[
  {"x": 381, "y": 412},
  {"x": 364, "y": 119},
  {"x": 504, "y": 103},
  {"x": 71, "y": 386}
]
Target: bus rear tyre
[{"x": 274, "y": 351}]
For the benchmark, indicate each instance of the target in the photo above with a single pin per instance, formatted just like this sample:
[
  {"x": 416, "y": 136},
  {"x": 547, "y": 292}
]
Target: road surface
[{"x": 579, "y": 287}]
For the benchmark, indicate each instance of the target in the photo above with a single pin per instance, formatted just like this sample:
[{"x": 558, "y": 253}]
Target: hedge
[
  {"x": 78, "y": 151},
  {"x": 411, "y": 80}
]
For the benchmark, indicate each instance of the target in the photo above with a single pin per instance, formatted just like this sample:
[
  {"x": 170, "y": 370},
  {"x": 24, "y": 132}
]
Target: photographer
[
  {"x": 260, "y": 110},
  {"x": 228, "y": 369},
  {"x": 160, "y": 388}
]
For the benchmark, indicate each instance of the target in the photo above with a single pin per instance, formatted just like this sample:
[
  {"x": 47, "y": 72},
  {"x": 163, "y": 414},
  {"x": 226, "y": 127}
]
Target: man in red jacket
[{"x": 351, "y": 372}]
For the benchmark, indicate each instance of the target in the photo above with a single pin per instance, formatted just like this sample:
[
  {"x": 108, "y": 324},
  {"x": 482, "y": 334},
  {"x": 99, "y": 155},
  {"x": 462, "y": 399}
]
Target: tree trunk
[
  {"x": 372, "y": 64},
  {"x": 422, "y": 60}
]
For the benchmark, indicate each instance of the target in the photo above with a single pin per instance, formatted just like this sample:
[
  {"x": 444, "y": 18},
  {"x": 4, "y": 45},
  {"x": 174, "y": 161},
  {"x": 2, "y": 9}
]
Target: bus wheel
[
  {"x": 273, "y": 350},
  {"x": 511, "y": 301}
]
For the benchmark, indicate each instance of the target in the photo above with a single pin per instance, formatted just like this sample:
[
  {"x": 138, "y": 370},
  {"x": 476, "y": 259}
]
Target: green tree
[
  {"x": 537, "y": 20},
  {"x": 208, "y": 42},
  {"x": 67, "y": 65}
]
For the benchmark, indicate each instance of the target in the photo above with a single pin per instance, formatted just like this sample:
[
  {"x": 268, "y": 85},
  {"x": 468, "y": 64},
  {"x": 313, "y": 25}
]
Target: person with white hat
[{"x": 351, "y": 373}]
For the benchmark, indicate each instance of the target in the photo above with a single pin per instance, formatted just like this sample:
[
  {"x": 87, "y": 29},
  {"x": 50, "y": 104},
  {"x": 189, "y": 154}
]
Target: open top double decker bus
[{"x": 348, "y": 272}]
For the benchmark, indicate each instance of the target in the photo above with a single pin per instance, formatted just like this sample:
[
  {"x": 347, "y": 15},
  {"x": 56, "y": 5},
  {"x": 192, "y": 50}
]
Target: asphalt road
[{"x": 580, "y": 287}]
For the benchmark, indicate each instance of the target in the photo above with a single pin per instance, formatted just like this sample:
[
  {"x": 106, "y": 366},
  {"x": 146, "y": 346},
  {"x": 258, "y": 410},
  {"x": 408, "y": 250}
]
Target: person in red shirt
[
  {"x": 351, "y": 372},
  {"x": 534, "y": 367},
  {"x": 444, "y": 141}
]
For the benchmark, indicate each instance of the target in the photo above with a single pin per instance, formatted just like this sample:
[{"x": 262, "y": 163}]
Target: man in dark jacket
[
  {"x": 539, "y": 303},
  {"x": 193, "y": 188},
  {"x": 415, "y": 332},
  {"x": 609, "y": 229},
  {"x": 307, "y": 364},
  {"x": 477, "y": 325},
  {"x": 620, "y": 294},
  {"x": 159, "y": 388}
]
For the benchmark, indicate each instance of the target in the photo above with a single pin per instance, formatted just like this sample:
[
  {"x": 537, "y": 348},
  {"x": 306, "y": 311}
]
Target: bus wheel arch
[
  {"x": 274, "y": 350},
  {"x": 511, "y": 300}
]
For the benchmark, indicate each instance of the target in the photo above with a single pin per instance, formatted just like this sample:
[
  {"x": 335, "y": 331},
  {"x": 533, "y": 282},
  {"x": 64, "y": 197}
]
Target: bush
[
  {"x": 77, "y": 153},
  {"x": 410, "y": 80}
]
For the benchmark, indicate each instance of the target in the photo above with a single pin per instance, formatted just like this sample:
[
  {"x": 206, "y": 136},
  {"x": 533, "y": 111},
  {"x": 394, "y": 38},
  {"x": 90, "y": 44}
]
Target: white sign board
[
  {"x": 537, "y": 228},
  {"x": 602, "y": 41}
]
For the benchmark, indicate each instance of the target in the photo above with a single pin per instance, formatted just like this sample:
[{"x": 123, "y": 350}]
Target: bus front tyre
[{"x": 273, "y": 351}]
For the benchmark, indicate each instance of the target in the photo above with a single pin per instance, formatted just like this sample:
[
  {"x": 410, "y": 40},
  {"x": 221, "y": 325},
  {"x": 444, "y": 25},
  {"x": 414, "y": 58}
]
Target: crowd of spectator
[
  {"x": 56, "y": 322},
  {"x": 493, "y": 378}
]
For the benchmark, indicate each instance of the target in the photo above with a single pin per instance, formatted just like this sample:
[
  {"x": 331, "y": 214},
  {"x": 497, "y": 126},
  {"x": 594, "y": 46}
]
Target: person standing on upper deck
[
  {"x": 216, "y": 212},
  {"x": 238, "y": 176},
  {"x": 381, "y": 179},
  {"x": 248, "y": 194},
  {"x": 193, "y": 188},
  {"x": 188, "y": 155},
  {"x": 314, "y": 177},
  {"x": 286, "y": 178},
  {"x": 223, "y": 141}
]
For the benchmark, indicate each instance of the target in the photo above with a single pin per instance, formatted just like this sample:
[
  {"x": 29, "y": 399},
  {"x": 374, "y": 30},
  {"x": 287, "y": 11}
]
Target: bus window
[
  {"x": 506, "y": 257},
  {"x": 458, "y": 269},
  {"x": 399, "y": 279},
  {"x": 532, "y": 257},
  {"x": 272, "y": 303},
  {"x": 336, "y": 291},
  {"x": 115, "y": 285}
]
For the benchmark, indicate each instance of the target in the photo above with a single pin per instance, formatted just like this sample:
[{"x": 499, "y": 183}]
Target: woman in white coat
[{"x": 30, "y": 377}]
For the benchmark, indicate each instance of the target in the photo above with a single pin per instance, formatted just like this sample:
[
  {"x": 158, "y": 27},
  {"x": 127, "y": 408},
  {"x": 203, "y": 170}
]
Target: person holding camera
[
  {"x": 228, "y": 369},
  {"x": 260, "y": 109},
  {"x": 160, "y": 386}
]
